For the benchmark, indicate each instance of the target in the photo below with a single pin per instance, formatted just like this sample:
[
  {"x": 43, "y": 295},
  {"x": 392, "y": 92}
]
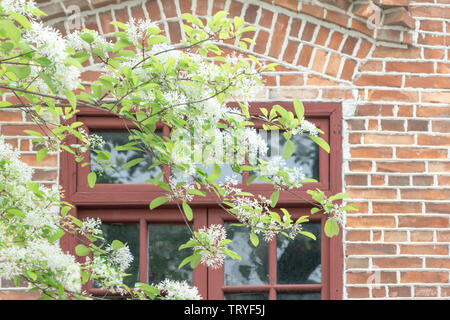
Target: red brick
[
  {"x": 334, "y": 63},
  {"x": 423, "y": 180},
  {"x": 337, "y": 17},
  {"x": 422, "y": 249},
  {"x": 422, "y": 222},
  {"x": 440, "y": 263},
  {"x": 291, "y": 80},
  {"x": 10, "y": 116},
  {"x": 400, "y": 292},
  {"x": 18, "y": 130},
  {"x": 320, "y": 57},
  {"x": 441, "y": 126},
  {"x": 409, "y": 67},
  {"x": 388, "y": 52},
  {"x": 393, "y": 95},
  {"x": 397, "y": 262},
  {"x": 322, "y": 36},
  {"x": 399, "y": 181},
  {"x": 261, "y": 42},
  {"x": 421, "y": 236},
  {"x": 30, "y": 159},
  {"x": 153, "y": 10},
  {"x": 425, "y": 194},
  {"x": 291, "y": 51},
  {"x": 436, "y": 97},
  {"x": 357, "y": 292},
  {"x": 348, "y": 70},
  {"x": 372, "y": 193},
  {"x": 430, "y": 140},
  {"x": 357, "y": 235},
  {"x": 371, "y": 222},
  {"x": 266, "y": 19},
  {"x": 400, "y": 166},
  {"x": 371, "y": 152},
  {"x": 366, "y": 277},
  {"x": 437, "y": 208},
  {"x": 313, "y": 10},
  {"x": 360, "y": 166},
  {"x": 396, "y": 207},
  {"x": 305, "y": 56},
  {"x": 288, "y": 4},
  {"x": 425, "y": 292},
  {"x": 374, "y": 110},
  {"x": 370, "y": 249},
  {"x": 421, "y": 153},
  {"x": 251, "y": 13},
  {"x": 336, "y": 40},
  {"x": 279, "y": 30},
  {"x": 433, "y": 112},
  {"x": 395, "y": 236},
  {"x": 388, "y": 139},
  {"x": 423, "y": 277},
  {"x": 428, "y": 82},
  {"x": 392, "y": 125}
]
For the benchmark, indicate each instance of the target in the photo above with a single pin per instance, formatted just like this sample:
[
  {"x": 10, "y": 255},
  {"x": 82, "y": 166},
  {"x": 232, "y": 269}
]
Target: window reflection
[
  {"x": 299, "y": 260},
  {"x": 253, "y": 269},
  {"x": 137, "y": 174},
  {"x": 163, "y": 255},
  {"x": 127, "y": 234},
  {"x": 305, "y": 156}
]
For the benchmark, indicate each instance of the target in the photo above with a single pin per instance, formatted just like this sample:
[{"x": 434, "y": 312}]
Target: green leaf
[
  {"x": 308, "y": 234},
  {"x": 21, "y": 19},
  {"x": 288, "y": 149},
  {"x": 92, "y": 178},
  {"x": 71, "y": 98},
  {"x": 254, "y": 239},
  {"x": 41, "y": 154},
  {"x": 158, "y": 201},
  {"x": 196, "y": 192},
  {"x": 133, "y": 162},
  {"x": 189, "y": 244},
  {"x": 116, "y": 244},
  {"x": 4, "y": 104},
  {"x": 331, "y": 228},
  {"x": 81, "y": 250},
  {"x": 274, "y": 198},
  {"x": 56, "y": 236},
  {"x": 187, "y": 211},
  {"x": 185, "y": 261},
  {"x": 321, "y": 142},
  {"x": 299, "y": 109},
  {"x": 338, "y": 196}
]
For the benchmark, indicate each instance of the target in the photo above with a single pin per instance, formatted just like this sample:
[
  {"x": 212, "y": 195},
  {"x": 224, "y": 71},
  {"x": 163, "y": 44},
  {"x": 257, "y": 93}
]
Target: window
[{"x": 279, "y": 269}]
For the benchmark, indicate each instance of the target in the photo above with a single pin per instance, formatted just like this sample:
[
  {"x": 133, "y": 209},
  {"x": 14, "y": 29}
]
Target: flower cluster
[
  {"x": 211, "y": 243},
  {"x": 177, "y": 290},
  {"x": 24, "y": 7},
  {"x": 49, "y": 43}
]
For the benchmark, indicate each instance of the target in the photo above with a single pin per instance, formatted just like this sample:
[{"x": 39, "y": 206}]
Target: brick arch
[{"x": 306, "y": 41}]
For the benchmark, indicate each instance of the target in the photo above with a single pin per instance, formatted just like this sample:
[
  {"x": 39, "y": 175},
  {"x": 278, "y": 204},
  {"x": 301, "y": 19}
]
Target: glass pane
[
  {"x": 305, "y": 156},
  {"x": 298, "y": 260},
  {"x": 246, "y": 296},
  {"x": 163, "y": 255},
  {"x": 299, "y": 296},
  {"x": 225, "y": 171},
  {"x": 129, "y": 234},
  {"x": 253, "y": 269},
  {"x": 137, "y": 174}
]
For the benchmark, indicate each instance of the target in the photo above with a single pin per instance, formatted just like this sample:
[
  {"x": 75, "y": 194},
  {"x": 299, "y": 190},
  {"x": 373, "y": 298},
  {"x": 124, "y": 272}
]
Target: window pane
[
  {"x": 305, "y": 156},
  {"x": 298, "y": 260},
  {"x": 137, "y": 174},
  {"x": 164, "y": 257},
  {"x": 299, "y": 296},
  {"x": 253, "y": 269},
  {"x": 246, "y": 296},
  {"x": 129, "y": 234}
]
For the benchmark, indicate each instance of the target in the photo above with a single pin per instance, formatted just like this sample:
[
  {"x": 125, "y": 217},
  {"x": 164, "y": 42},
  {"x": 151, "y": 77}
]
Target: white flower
[
  {"x": 49, "y": 43},
  {"x": 24, "y": 7},
  {"x": 177, "y": 290}
]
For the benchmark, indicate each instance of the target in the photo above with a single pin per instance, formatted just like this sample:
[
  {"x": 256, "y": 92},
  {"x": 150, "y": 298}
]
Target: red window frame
[{"x": 131, "y": 202}]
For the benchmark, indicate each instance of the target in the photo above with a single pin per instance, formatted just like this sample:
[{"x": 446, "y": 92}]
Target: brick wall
[{"x": 393, "y": 82}]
